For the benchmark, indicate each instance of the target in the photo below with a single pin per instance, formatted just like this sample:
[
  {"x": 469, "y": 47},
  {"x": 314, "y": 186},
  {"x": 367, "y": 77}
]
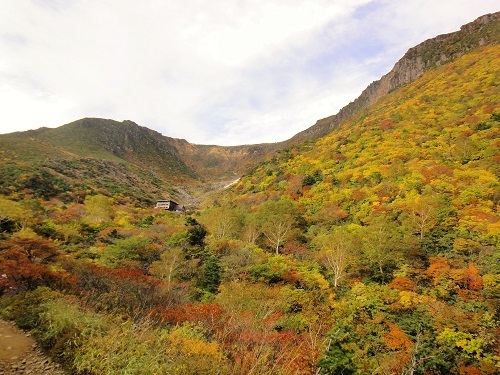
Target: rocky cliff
[{"x": 433, "y": 52}]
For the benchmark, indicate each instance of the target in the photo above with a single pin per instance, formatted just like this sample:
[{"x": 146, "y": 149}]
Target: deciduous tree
[
  {"x": 337, "y": 252},
  {"x": 276, "y": 219}
]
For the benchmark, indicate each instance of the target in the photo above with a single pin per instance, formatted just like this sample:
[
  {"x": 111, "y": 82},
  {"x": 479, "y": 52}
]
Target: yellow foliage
[
  {"x": 26, "y": 233},
  {"x": 406, "y": 299},
  {"x": 314, "y": 279},
  {"x": 491, "y": 281},
  {"x": 188, "y": 341}
]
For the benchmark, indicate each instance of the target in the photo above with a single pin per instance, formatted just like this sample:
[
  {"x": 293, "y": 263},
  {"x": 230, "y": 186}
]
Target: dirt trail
[{"x": 19, "y": 354}]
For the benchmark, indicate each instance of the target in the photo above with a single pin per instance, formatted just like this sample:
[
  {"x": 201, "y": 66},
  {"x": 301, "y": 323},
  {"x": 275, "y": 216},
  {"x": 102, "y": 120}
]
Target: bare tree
[
  {"x": 336, "y": 253},
  {"x": 276, "y": 219},
  {"x": 166, "y": 268},
  {"x": 423, "y": 213}
]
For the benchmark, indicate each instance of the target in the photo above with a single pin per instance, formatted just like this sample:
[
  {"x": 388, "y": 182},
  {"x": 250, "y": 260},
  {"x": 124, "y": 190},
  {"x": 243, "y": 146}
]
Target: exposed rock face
[
  {"x": 222, "y": 164},
  {"x": 428, "y": 54}
]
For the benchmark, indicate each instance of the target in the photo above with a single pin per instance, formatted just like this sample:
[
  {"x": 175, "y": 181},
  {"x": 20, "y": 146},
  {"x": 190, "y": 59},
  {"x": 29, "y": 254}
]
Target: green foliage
[
  {"x": 134, "y": 248},
  {"x": 338, "y": 359},
  {"x": 45, "y": 184},
  {"x": 310, "y": 180},
  {"x": 196, "y": 232},
  {"x": 210, "y": 276},
  {"x": 272, "y": 271},
  {"x": 64, "y": 327},
  {"x": 26, "y": 310}
]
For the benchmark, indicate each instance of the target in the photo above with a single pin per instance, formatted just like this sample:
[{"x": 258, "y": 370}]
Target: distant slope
[
  {"x": 126, "y": 160},
  {"x": 89, "y": 156},
  {"x": 118, "y": 158},
  {"x": 432, "y": 145},
  {"x": 221, "y": 162},
  {"x": 419, "y": 59}
]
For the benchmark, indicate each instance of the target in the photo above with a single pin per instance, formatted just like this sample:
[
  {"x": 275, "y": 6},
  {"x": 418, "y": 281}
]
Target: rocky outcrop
[
  {"x": 431, "y": 53},
  {"x": 20, "y": 354},
  {"x": 34, "y": 362},
  {"x": 220, "y": 164}
]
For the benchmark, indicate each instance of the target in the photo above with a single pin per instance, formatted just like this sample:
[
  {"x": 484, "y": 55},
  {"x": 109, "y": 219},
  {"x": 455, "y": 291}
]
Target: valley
[{"x": 367, "y": 243}]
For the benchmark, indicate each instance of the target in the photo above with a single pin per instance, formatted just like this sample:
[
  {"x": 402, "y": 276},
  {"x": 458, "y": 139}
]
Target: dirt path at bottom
[{"x": 19, "y": 354}]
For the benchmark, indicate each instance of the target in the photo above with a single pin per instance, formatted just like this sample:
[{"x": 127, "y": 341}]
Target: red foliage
[
  {"x": 210, "y": 316},
  {"x": 297, "y": 249},
  {"x": 24, "y": 264},
  {"x": 131, "y": 275},
  {"x": 18, "y": 272},
  {"x": 38, "y": 250}
]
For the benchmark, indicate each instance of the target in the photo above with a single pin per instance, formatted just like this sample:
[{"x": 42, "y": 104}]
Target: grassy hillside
[
  {"x": 118, "y": 159},
  {"x": 91, "y": 156}
]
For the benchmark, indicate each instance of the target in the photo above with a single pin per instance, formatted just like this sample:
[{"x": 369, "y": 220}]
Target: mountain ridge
[
  {"x": 482, "y": 31},
  {"x": 174, "y": 164}
]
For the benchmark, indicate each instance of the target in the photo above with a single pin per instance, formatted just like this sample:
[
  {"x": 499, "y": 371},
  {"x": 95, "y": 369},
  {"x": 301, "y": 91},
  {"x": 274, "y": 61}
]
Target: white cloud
[{"x": 220, "y": 72}]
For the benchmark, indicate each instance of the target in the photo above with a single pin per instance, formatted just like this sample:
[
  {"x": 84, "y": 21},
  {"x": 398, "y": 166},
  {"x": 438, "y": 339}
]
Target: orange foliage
[
  {"x": 396, "y": 339},
  {"x": 291, "y": 277},
  {"x": 386, "y": 124},
  {"x": 72, "y": 213},
  {"x": 438, "y": 268},
  {"x": 469, "y": 370},
  {"x": 358, "y": 195},
  {"x": 469, "y": 278},
  {"x": 402, "y": 283},
  {"x": 436, "y": 171}
]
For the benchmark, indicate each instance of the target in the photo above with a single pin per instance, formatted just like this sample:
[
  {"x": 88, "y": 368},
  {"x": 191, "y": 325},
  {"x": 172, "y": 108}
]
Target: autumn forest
[{"x": 372, "y": 250}]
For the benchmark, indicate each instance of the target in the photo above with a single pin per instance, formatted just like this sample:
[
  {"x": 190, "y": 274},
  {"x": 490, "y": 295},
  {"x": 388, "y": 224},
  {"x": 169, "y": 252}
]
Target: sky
[{"x": 224, "y": 72}]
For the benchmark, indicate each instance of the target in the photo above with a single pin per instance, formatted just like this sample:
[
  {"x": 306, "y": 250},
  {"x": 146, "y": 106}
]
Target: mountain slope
[
  {"x": 92, "y": 155},
  {"x": 427, "y": 55},
  {"x": 435, "y": 138},
  {"x": 121, "y": 158},
  {"x": 125, "y": 158},
  {"x": 101, "y": 139}
]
